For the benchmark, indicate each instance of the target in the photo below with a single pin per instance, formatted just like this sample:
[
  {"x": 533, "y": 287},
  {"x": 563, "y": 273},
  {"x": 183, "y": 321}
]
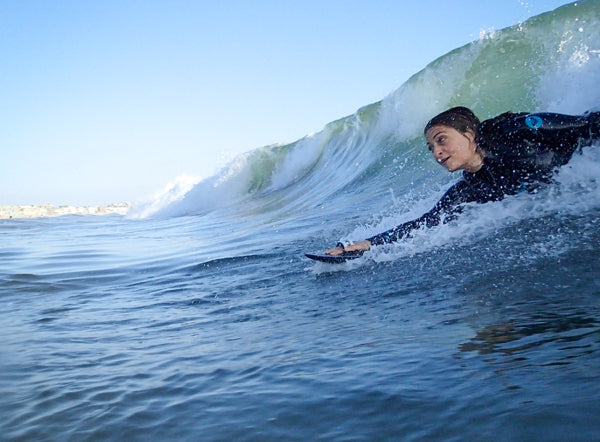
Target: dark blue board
[{"x": 335, "y": 259}]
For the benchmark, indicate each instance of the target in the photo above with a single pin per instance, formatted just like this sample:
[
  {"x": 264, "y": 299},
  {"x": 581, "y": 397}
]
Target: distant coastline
[{"x": 48, "y": 210}]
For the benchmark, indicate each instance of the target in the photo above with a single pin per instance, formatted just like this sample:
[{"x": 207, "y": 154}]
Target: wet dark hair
[{"x": 459, "y": 118}]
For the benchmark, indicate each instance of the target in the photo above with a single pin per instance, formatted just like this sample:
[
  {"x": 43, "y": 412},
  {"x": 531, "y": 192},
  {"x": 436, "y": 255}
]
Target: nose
[{"x": 437, "y": 151}]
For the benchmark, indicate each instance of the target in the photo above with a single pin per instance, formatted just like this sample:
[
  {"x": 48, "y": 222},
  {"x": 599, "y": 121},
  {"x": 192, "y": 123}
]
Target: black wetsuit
[{"x": 522, "y": 151}]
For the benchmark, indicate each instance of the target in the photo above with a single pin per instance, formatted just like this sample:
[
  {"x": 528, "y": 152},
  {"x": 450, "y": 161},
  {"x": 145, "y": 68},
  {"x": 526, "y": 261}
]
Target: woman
[{"x": 500, "y": 156}]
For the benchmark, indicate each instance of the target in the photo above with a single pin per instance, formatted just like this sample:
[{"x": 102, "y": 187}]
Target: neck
[{"x": 475, "y": 164}]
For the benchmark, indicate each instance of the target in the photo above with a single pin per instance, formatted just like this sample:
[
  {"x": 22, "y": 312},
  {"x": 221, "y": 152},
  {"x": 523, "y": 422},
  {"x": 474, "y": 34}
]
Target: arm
[
  {"x": 523, "y": 136},
  {"x": 540, "y": 141},
  {"x": 447, "y": 208},
  {"x": 360, "y": 246}
]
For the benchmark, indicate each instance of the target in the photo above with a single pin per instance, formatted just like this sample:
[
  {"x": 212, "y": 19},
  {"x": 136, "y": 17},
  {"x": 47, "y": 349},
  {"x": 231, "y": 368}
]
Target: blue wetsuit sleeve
[{"x": 445, "y": 210}]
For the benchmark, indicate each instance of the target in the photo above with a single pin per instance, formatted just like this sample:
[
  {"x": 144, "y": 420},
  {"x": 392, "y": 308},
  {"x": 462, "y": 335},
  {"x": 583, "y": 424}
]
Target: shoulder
[
  {"x": 507, "y": 135},
  {"x": 502, "y": 125}
]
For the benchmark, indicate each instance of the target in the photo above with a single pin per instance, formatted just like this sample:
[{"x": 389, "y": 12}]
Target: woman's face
[{"x": 454, "y": 150}]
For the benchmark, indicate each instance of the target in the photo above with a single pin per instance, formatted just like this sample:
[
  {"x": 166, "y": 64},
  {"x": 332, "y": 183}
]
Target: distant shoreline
[{"x": 48, "y": 210}]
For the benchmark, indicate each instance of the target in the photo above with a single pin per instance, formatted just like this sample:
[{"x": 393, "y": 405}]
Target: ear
[{"x": 470, "y": 134}]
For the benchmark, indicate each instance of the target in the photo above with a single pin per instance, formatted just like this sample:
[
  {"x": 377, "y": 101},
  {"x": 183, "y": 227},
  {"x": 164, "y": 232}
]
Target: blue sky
[{"x": 108, "y": 101}]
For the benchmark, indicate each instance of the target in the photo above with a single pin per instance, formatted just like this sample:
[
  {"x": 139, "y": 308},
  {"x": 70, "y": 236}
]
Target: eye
[{"x": 441, "y": 139}]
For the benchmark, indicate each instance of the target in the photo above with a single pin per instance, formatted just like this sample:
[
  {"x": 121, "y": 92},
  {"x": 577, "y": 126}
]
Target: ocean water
[{"x": 197, "y": 317}]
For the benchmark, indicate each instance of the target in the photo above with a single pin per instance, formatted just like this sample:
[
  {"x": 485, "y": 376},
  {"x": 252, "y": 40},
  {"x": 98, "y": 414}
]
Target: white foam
[
  {"x": 570, "y": 85},
  {"x": 172, "y": 192}
]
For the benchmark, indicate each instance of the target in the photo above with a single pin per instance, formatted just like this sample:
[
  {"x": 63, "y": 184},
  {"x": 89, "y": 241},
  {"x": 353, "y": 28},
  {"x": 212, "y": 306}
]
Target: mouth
[{"x": 442, "y": 161}]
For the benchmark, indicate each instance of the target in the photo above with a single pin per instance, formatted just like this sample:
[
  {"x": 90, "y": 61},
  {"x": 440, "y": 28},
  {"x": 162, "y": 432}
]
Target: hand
[
  {"x": 361, "y": 245},
  {"x": 337, "y": 251}
]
